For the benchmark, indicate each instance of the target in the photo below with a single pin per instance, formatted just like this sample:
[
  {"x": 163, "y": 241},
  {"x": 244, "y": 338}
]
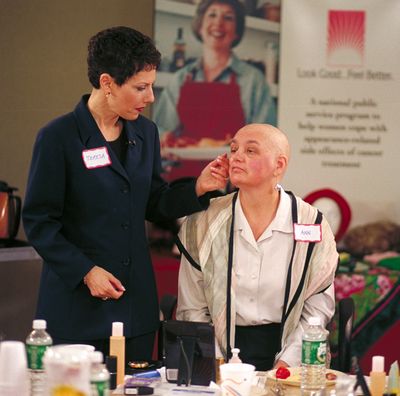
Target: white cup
[
  {"x": 83, "y": 347},
  {"x": 67, "y": 367},
  {"x": 14, "y": 378},
  {"x": 236, "y": 378}
]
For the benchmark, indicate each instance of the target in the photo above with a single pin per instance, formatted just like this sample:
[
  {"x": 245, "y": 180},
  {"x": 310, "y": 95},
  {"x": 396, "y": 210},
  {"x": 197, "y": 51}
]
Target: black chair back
[
  {"x": 167, "y": 307},
  {"x": 346, "y": 318}
]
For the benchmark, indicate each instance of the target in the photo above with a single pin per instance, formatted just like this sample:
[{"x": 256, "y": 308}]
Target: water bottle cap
[
  {"x": 96, "y": 357},
  {"x": 39, "y": 324},
  {"x": 314, "y": 321}
]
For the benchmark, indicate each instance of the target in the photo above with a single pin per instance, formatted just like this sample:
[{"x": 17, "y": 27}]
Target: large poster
[
  {"x": 339, "y": 101},
  {"x": 218, "y": 73}
]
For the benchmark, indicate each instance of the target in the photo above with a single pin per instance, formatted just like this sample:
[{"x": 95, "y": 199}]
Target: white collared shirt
[{"x": 261, "y": 269}]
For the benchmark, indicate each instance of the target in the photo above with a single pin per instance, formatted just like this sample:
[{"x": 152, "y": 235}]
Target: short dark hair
[
  {"x": 121, "y": 52},
  {"x": 238, "y": 9}
]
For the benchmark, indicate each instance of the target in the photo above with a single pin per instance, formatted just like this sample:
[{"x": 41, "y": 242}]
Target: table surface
[
  {"x": 23, "y": 253},
  {"x": 263, "y": 387}
]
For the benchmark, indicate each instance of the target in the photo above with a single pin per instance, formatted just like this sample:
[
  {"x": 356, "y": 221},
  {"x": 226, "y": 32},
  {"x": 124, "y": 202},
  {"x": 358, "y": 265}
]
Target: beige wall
[{"x": 43, "y": 66}]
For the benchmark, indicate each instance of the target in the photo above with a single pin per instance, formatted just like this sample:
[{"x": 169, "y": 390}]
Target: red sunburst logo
[{"x": 346, "y": 31}]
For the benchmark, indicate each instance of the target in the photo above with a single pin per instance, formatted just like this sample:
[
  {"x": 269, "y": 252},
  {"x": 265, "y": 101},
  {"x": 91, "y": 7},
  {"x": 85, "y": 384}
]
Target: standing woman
[{"x": 94, "y": 180}]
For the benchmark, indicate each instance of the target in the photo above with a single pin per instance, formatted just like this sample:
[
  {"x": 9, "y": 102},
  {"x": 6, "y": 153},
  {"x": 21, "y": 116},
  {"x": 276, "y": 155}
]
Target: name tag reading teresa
[
  {"x": 308, "y": 232},
  {"x": 96, "y": 158}
]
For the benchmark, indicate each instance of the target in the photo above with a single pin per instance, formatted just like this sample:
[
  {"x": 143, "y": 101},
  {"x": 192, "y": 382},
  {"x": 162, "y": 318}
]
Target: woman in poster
[{"x": 212, "y": 97}]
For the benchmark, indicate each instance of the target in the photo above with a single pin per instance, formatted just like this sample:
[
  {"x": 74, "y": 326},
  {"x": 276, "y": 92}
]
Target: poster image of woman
[{"x": 212, "y": 95}]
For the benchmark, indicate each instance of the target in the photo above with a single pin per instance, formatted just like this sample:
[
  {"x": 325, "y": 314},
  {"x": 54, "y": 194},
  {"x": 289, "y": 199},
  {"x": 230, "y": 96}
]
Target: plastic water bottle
[
  {"x": 36, "y": 343},
  {"x": 99, "y": 375},
  {"x": 313, "y": 358}
]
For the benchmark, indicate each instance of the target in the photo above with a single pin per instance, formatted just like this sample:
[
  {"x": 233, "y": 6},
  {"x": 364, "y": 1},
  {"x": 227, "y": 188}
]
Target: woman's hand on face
[
  {"x": 103, "y": 284},
  {"x": 214, "y": 176}
]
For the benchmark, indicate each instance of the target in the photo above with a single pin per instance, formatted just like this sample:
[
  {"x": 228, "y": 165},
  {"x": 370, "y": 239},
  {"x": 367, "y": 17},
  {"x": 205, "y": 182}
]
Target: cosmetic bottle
[
  {"x": 235, "y": 356},
  {"x": 377, "y": 376},
  {"x": 393, "y": 380},
  {"x": 117, "y": 348},
  {"x": 111, "y": 365}
]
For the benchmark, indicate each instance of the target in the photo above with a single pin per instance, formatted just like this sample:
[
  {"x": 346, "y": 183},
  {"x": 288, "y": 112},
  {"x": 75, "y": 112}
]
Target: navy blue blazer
[{"x": 77, "y": 217}]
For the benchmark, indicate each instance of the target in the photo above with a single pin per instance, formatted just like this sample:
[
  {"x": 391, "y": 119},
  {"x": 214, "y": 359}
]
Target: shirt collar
[
  {"x": 282, "y": 221},
  {"x": 234, "y": 64}
]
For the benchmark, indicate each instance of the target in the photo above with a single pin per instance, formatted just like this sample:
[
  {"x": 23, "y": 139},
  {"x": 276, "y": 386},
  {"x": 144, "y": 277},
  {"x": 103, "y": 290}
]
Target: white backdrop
[{"x": 339, "y": 101}]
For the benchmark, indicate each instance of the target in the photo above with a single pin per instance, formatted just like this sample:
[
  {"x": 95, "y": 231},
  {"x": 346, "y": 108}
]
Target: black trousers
[
  {"x": 136, "y": 348},
  {"x": 258, "y": 344}
]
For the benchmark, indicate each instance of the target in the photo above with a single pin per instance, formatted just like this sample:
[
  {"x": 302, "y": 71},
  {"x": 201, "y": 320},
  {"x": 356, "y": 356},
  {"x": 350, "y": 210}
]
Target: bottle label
[
  {"x": 313, "y": 352},
  {"x": 100, "y": 388},
  {"x": 35, "y": 355}
]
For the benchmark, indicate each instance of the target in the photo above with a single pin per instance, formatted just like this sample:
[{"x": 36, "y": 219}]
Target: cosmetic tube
[
  {"x": 377, "y": 376},
  {"x": 117, "y": 348}
]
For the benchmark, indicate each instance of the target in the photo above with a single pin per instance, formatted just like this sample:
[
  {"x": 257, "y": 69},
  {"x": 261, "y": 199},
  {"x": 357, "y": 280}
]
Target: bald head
[{"x": 274, "y": 139}]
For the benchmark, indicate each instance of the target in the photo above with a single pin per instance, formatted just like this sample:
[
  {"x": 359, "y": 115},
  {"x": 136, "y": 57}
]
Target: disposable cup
[
  {"x": 14, "y": 378},
  {"x": 83, "y": 347},
  {"x": 236, "y": 378}
]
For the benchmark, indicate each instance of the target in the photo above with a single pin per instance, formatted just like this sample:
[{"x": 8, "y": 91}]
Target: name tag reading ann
[
  {"x": 308, "y": 232},
  {"x": 96, "y": 158}
]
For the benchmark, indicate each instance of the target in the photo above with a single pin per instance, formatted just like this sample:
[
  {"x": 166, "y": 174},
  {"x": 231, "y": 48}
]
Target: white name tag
[
  {"x": 307, "y": 232},
  {"x": 96, "y": 158}
]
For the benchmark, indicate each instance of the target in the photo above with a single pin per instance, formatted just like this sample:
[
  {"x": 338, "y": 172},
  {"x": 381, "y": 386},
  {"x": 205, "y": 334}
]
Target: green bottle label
[
  {"x": 313, "y": 352},
  {"x": 100, "y": 388},
  {"x": 35, "y": 356}
]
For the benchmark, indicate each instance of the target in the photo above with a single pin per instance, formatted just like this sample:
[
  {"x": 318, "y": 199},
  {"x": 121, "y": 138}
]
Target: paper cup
[
  {"x": 236, "y": 379},
  {"x": 83, "y": 347},
  {"x": 14, "y": 378}
]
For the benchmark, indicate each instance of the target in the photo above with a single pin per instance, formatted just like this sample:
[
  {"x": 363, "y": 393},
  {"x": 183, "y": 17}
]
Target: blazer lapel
[
  {"x": 92, "y": 137},
  {"x": 135, "y": 147}
]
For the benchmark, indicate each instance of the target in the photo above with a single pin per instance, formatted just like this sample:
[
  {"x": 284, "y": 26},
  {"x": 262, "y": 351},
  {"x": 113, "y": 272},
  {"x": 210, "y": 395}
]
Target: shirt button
[
  {"x": 126, "y": 261},
  {"x": 253, "y": 276},
  {"x": 125, "y": 190},
  {"x": 253, "y": 322},
  {"x": 125, "y": 226},
  {"x": 251, "y": 299}
]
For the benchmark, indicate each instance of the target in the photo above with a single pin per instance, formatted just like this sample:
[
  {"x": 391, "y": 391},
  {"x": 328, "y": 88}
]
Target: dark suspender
[
  {"x": 286, "y": 311},
  {"x": 188, "y": 257},
  {"x": 229, "y": 280}
]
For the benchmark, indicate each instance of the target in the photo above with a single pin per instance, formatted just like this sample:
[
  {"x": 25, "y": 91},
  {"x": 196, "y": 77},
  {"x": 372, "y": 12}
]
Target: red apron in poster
[{"x": 207, "y": 109}]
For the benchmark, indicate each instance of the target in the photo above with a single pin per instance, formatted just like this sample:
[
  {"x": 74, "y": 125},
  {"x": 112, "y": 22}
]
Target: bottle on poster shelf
[
  {"x": 99, "y": 375},
  {"x": 179, "y": 53},
  {"x": 36, "y": 343},
  {"x": 271, "y": 63},
  {"x": 313, "y": 357},
  {"x": 269, "y": 10}
]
